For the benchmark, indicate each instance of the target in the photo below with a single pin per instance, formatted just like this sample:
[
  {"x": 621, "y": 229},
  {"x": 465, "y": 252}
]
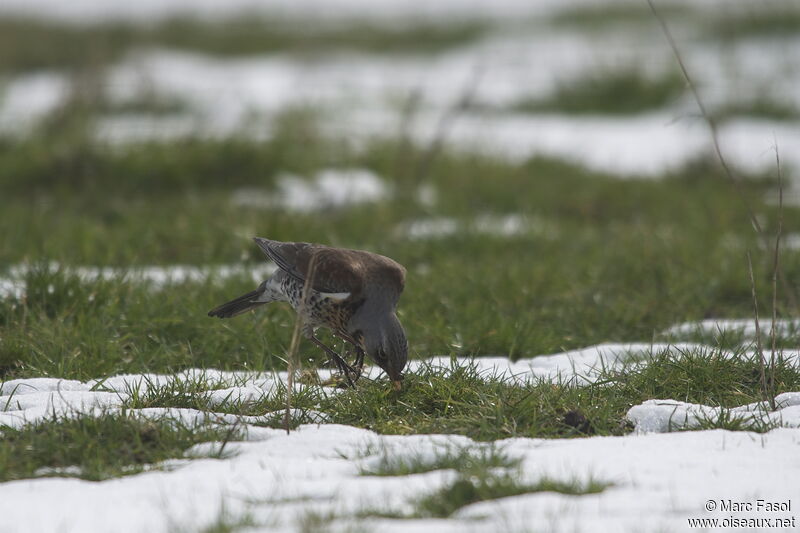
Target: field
[{"x": 579, "y": 302}]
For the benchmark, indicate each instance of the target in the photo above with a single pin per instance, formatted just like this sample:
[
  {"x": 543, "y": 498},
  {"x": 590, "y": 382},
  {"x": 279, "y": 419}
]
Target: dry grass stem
[
  {"x": 291, "y": 360},
  {"x": 712, "y": 126},
  {"x": 775, "y": 269},
  {"x": 759, "y": 347},
  {"x": 445, "y": 123}
]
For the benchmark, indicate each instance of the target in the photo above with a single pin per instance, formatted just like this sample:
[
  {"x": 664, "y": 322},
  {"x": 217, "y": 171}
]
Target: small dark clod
[
  {"x": 6, "y": 369},
  {"x": 577, "y": 420}
]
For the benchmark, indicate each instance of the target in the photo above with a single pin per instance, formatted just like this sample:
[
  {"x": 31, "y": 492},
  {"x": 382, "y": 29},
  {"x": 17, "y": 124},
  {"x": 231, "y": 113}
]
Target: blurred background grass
[{"x": 544, "y": 253}]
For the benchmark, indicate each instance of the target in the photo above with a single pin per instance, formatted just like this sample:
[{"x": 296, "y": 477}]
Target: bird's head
[{"x": 385, "y": 343}]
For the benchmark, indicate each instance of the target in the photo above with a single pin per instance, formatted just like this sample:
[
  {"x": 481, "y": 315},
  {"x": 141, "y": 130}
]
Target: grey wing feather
[
  {"x": 271, "y": 249},
  {"x": 300, "y": 253}
]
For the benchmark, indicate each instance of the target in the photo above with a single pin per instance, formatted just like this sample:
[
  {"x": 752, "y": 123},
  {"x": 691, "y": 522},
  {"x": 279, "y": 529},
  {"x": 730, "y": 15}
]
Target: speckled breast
[{"x": 319, "y": 311}]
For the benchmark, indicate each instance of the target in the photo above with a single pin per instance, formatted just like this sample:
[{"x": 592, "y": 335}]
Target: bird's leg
[
  {"x": 337, "y": 359},
  {"x": 359, "y": 363}
]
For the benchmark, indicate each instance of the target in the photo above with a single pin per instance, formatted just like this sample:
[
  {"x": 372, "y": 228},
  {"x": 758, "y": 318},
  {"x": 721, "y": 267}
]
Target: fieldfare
[{"x": 352, "y": 292}]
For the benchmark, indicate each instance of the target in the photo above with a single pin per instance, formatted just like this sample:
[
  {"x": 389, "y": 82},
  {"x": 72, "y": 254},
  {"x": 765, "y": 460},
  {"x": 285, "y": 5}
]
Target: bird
[{"x": 354, "y": 293}]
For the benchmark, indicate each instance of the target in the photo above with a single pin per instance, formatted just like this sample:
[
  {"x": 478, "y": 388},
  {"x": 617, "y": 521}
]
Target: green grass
[
  {"x": 777, "y": 21},
  {"x": 468, "y": 490},
  {"x": 731, "y": 421},
  {"x": 194, "y": 393},
  {"x": 457, "y": 400},
  {"x": 318, "y": 522},
  {"x": 769, "y": 19},
  {"x": 483, "y": 473},
  {"x": 463, "y": 459},
  {"x": 603, "y": 17},
  {"x": 461, "y": 400},
  {"x": 73, "y": 168},
  {"x": 29, "y": 44},
  {"x": 78, "y": 203},
  {"x": 621, "y": 92},
  {"x": 228, "y": 523},
  {"x": 100, "y": 447},
  {"x": 617, "y": 260}
]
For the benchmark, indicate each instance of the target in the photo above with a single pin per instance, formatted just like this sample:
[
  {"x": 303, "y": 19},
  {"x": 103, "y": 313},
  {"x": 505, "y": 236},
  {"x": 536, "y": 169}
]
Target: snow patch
[
  {"x": 328, "y": 189},
  {"x": 10, "y": 288},
  {"x": 642, "y": 146},
  {"x": 27, "y": 99},
  {"x": 791, "y": 241},
  {"x": 509, "y": 225},
  {"x": 81, "y": 11},
  {"x": 359, "y": 92},
  {"x": 429, "y": 228},
  {"x": 23, "y": 401},
  {"x": 157, "y": 277},
  {"x": 388, "y": 12},
  {"x": 58, "y": 471},
  {"x": 586, "y": 365},
  {"x": 670, "y": 415},
  {"x": 659, "y": 481}
]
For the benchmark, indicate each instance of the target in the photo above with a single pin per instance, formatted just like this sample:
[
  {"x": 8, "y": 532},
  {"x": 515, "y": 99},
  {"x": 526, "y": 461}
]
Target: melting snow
[
  {"x": 497, "y": 225},
  {"x": 359, "y": 92},
  {"x": 387, "y": 11},
  {"x": 670, "y": 415},
  {"x": 329, "y": 188},
  {"x": 390, "y": 12},
  {"x": 791, "y": 241},
  {"x": 638, "y": 146},
  {"x": 28, "y": 99},
  {"x": 659, "y": 480},
  {"x": 156, "y": 276},
  {"x": 146, "y": 10},
  {"x": 28, "y": 400},
  {"x": 12, "y": 288},
  {"x": 429, "y": 228}
]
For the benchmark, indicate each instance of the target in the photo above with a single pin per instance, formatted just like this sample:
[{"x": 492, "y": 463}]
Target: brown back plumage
[{"x": 337, "y": 270}]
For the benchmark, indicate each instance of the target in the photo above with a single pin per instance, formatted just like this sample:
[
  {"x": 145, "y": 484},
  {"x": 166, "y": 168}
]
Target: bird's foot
[
  {"x": 340, "y": 363},
  {"x": 308, "y": 377},
  {"x": 346, "y": 371},
  {"x": 338, "y": 381}
]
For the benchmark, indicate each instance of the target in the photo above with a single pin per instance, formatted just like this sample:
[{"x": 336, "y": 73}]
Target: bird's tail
[{"x": 240, "y": 305}]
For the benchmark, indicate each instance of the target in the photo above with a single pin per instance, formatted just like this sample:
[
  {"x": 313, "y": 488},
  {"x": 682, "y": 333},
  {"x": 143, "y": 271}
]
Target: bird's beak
[{"x": 398, "y": 385}]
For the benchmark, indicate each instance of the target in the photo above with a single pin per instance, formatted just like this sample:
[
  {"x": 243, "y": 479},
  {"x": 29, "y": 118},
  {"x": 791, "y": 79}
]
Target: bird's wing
[{"x": 335, "y": 272}]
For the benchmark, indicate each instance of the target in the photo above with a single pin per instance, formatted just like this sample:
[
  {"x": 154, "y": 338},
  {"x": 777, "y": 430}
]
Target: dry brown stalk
[
  {"x": 712, "y": 126},
  {"x": 759, "y": 349},
  {"x": 775, "y": 269},
  {"x": 445, "y": 123},
  {"x": 299, "y": 322}
]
